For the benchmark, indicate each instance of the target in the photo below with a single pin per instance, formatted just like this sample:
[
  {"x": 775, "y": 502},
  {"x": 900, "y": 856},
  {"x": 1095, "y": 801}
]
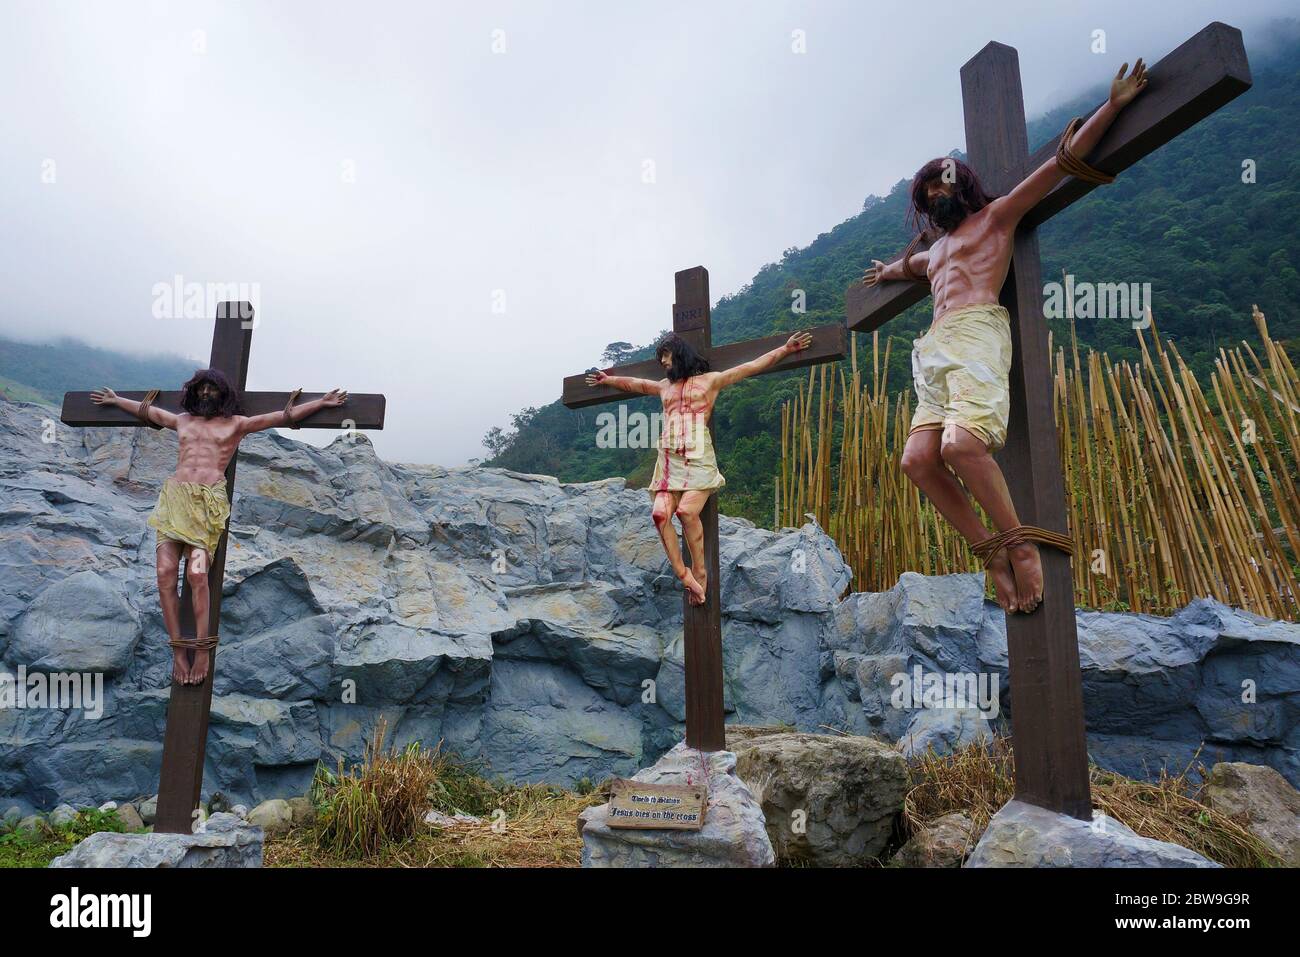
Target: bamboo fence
[{"x": 1174, "y": 493}]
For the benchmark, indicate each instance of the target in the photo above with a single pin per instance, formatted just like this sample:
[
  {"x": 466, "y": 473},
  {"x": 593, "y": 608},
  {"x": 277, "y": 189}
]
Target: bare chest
[
  {"x": 207, "y": 436},
  {"x": 690, "y": 396}
]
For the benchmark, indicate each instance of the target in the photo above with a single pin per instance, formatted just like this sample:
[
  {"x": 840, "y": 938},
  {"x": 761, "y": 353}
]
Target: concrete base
[
  {"x": 224, "y": 840},
  {"x": 1024, "y": 835},
  {"x": 734, "y": 832}
]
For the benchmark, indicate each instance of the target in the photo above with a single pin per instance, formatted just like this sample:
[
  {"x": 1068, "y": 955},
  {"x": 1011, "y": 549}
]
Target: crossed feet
[
  {"x": 696, "y": 588},
  {"x": 186, "y": 674},
  {"x": 1017, "y": 574}
]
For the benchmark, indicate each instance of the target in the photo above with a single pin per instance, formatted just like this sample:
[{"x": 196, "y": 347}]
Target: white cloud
[{"x": 474, "y": 171}]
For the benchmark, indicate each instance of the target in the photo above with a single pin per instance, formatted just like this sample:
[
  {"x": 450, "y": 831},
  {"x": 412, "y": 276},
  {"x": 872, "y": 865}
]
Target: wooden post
[
  {"x": 180, "y": 783},
  {"x": 702, "y": 624},
  {"x": 1050, "y": 740},
  {"x": 1186, "y": 86}
]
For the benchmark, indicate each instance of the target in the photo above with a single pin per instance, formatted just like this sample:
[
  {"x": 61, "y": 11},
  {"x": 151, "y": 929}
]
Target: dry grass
[
  {"x": 978, "y": 779},
  {"x": 536, "y": 825},
  {"x": 373, "y": 816},
  {"x": 379, "y": 802},
  {"x": 1174, "y": 491},
  {"x": 538, "y": 829}
]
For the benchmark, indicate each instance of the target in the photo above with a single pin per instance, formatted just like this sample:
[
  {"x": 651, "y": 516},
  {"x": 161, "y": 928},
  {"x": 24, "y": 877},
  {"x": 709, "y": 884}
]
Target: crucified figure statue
[
  {"x": 960, "y": 365},
  {"x": 686, "y": 469},
  {"x": 193, "y": 506}
]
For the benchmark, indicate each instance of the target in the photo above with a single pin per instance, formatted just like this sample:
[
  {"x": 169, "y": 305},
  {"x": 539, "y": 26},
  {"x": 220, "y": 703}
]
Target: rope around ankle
[
  {"x": 987, "y": 549},
  {"x": 195, "y": 644}
]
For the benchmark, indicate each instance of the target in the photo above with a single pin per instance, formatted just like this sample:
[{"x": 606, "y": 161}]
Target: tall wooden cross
[
  {"x": 185, "y": 742},
  {"x": 1186, "y": 86},
  {"x": 703, "y": 623}
]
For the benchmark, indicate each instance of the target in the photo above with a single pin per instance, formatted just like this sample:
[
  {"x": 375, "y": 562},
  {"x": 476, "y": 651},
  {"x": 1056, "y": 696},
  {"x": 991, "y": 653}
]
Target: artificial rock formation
[{"x": 530, "y": 625}]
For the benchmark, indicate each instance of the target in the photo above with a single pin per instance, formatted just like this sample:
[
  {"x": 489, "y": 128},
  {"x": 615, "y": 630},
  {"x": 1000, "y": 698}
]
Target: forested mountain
[
  {"x": 1183, "y": 220},
  {"x": 42, "y": 372}
]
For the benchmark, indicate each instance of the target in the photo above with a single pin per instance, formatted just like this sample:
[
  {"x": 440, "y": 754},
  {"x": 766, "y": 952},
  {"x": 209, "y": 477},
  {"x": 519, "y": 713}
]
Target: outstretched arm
[
  {"x": 157, "y": 416},
  {"x": 797, "y": 343},
  {"x": 1012, "y": 207},
  {"x": 878, "y": 271},
  {"x": 626, "y": 383},
  {"x": 270, "y": 420}
]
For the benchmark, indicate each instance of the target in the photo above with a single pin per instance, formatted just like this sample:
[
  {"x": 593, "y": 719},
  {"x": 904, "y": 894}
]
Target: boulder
[
  {"x": 435, "y": 818},
  {"x": 274, "y": 816},
  {"x": 63, "y": 814},
  {"x": 223, "y": 840},
  {"x": 1261, "y": 799},
  {"x": 827, "y": 800},
  {"x": 301, "y": 811},
  {"x": 149, "y": 809},
  {"x": 732, "y": 835},
  {"x": 1024, "y": 835},
  {"x": 130, "y": 817},
  {"x": 82, "y": 623},
  {"x": 945, "y": 843}
]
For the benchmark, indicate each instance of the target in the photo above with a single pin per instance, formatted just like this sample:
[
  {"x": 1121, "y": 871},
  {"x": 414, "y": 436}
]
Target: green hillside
[
  {"x": 42, "y": 372},
  {"x": 1182, "y": 220}
]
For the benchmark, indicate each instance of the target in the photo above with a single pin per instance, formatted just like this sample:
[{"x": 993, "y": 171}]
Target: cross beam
[
  {"x": 180, "y": 784},
  {"x": 1184, "y": 88},
  {"x": 703, "y": 623},
  {"x": 1189, "y": 84}
]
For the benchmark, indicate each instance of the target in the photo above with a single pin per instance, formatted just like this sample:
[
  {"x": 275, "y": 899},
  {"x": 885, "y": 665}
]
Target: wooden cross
[
  {"x": 184, "y": 744},
  {"x": 1186, "y": 86},
  {"x": 703, "y": 623}
]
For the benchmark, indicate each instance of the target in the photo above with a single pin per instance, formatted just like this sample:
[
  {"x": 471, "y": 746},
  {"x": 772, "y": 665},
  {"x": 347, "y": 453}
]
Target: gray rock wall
[{"x": 532, "y": 626}]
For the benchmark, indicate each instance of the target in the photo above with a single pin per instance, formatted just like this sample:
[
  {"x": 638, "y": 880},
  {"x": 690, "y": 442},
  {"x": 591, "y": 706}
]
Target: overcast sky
[{"x": 460, "y": 203}]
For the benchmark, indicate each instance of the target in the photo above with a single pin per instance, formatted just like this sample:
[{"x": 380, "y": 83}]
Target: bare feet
[
  {"x": 1004, "y": 581},
  {"x": 1029, "y": 575},
  {"x": 199, "y": 672},
  {"x": 696, "y": 591},
  {"x": 703, "y": 578},
  {"x": 180, "y": 667}
]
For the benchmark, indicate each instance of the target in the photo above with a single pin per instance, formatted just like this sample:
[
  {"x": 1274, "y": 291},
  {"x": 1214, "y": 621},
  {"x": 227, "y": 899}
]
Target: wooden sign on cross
[
  {"x": 703, "y": 623},
  {"x": 185, "y": 742},
  {"x": 1186, "y": 86}
]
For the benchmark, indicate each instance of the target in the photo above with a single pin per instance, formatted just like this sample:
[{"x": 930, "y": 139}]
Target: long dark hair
[
  {"x": 686, "y": 362},
  {"x": 968, "y": 192},
  {"x": 226, "y": 404}
]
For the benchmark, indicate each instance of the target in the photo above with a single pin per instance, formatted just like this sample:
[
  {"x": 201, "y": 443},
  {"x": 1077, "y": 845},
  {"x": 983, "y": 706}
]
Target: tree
[
  {"x": 496, "y": 441},
  {"x": 616, "y": 353}
]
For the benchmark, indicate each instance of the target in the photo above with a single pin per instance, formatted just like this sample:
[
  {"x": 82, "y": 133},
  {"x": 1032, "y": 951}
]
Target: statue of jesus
[
  {"x": 960, "y": 366},
  {"x": 193, "y": 506},
  {"x": 686, "y": 469}
]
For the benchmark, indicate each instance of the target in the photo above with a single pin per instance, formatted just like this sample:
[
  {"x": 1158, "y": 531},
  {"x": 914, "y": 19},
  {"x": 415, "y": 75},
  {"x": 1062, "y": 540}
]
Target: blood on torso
[{"x": 688, "y": 404}]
